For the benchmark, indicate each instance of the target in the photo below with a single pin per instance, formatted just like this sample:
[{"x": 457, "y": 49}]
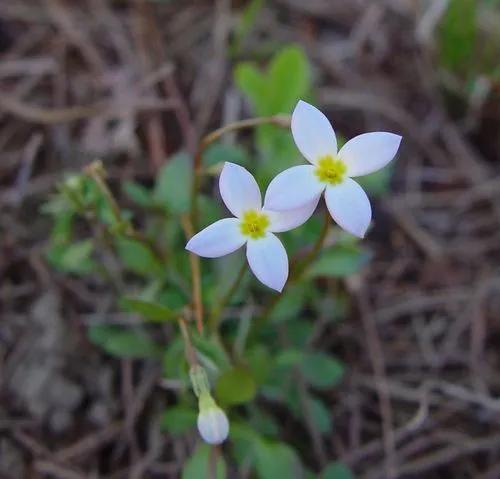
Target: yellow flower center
[
  {"x": 254, "y": 224},
  {"x": 330, "y": 170}
]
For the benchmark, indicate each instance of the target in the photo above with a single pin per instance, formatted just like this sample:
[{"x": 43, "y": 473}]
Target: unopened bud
[{"x": 212, "y": 421}]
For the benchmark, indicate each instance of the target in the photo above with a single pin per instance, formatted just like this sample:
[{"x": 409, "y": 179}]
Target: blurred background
[{"x": 401, "y": 331}]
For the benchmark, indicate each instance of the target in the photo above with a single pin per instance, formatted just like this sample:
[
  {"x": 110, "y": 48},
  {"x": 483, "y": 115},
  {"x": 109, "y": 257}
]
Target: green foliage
[
  {"x": 218, "y": 153},
  {"x": 73, "y": 257},
  {"x": 178, "y": 420},
  {"x": 148, "y": 310},
  {"x": 458, "y": 33},
  {"x": 276, "y": 460},
  {"x": 138, "y": 193},
  {"x": 138, "y": 257},
  {"x": 277, "y": 90},
  {"x": 336, "y": 470},
  {"x": 339, "y": 261},
  {"x": 321, "y": 415},
  {"x": 235, "y": 386},
  {"x": 173, "y": 186},
  {"x": 123, "y": 343},
  {"x": 322, "y": 371},
  {"x": 377, "y": 184},
  {"x": 290, "y": 302},
  {"x": 199, "y": 463},
  {"x": 253, "y": 371}
]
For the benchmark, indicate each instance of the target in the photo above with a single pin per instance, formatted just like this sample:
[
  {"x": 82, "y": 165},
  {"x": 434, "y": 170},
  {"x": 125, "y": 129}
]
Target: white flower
[
  {"x": 212, "y": 421},
  {"x": 253, "y": 225},
  {"x": 331, "y": 171}
]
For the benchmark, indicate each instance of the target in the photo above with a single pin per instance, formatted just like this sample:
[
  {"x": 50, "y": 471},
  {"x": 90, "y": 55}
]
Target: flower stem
[
  {"x": 188, "y": 345},
  {"x": 190, "y": 222},
  {"x": 194, "y": 264},
  {"x": 215, "y": 315},
  {"x": 301, "y": 267}
]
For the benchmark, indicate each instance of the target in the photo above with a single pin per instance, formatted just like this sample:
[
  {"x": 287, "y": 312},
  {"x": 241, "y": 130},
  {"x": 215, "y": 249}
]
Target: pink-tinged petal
[
  {"x": 293, "y": 188},
  {"x": 238, "y": 189},
  {"x": 268, "y": 261},
  {"x": 349, "y": 207},
  {"x": 218, "y": 239},
  {"x": 312, "y": 132},
  {"x": 369, "y": 152},
  {"x": 290, "y": 219}
]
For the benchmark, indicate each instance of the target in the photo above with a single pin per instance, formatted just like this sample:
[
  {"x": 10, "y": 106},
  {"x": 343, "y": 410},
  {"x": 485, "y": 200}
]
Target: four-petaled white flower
[
  {"x": 331, "y": 171},
  {"x": 253, "y": 225}
]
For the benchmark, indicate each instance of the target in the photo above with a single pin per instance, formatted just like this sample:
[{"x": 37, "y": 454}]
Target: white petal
[
  {"x": 369, "y": 152},
  {"x": 213, "y": 425},
  {"x": 268, "y": 261},
  {"x": 312, "y": 132},
  {"x": 293, "y": 188},
  {"x": 238, "y": 189},
  {"x": 218, "y": 239},
  {"x": 349, "y": 207},
  {"x": 290, "y": 219}
]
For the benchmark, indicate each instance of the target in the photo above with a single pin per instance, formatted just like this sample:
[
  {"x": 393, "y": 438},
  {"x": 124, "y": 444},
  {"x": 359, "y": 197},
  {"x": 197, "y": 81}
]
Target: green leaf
[
  {"x": 288, "y": 358},
  {"x": 173, "y": 187},
  {"x": 138, "y": 193},
  {"x": 173, "y": 364},
  {"x": 148, "y": 310},
  {"x": 336, "y": 470},
  {"x": 254, "y": 84},
  {"x": 123, "y": 343},
  {"x": 73, "y": 258},
  {"x": 220, "y": 152},
  {"x": 178, "y": 420},
  {"x": 289, "y": 79},
  {"x": 210, "y": 352},
  {"x": 321, "y": 370},
  {"x": 286, "y": 81},
  {"x": 235, "y": 386},
  {"x": 259, "y": 361},
  {"x": 199, "y": 463},
  {"x": 321, "y": 415},
  {"x": 138, "y": 258},
  {"x": 339, "y": 261},
  {"x": 290, "y": 302},
  {"x": 458, "y": 33},
  {"x": 276, "y": 460}
]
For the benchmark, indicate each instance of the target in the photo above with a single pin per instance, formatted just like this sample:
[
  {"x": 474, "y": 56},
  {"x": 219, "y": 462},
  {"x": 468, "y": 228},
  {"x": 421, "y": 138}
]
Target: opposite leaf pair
[{"x": 292, "y": 196}]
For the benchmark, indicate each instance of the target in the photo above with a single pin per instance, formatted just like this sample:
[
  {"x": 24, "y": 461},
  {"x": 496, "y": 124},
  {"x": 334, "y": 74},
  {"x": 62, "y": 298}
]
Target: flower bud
[{"x": 212, "y": 421}]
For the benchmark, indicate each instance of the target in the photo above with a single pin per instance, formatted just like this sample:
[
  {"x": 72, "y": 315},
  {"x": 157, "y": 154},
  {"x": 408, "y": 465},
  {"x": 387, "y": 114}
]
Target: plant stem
[
  {"x": 190, "y": 222},
  {"x": 300, "y": 268},
  {"x": 194, "y": 264},
  {"x": 215, "y": 315},
  {"x": 97, "y": 172},
  {"x": 188, "y": 345}
]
